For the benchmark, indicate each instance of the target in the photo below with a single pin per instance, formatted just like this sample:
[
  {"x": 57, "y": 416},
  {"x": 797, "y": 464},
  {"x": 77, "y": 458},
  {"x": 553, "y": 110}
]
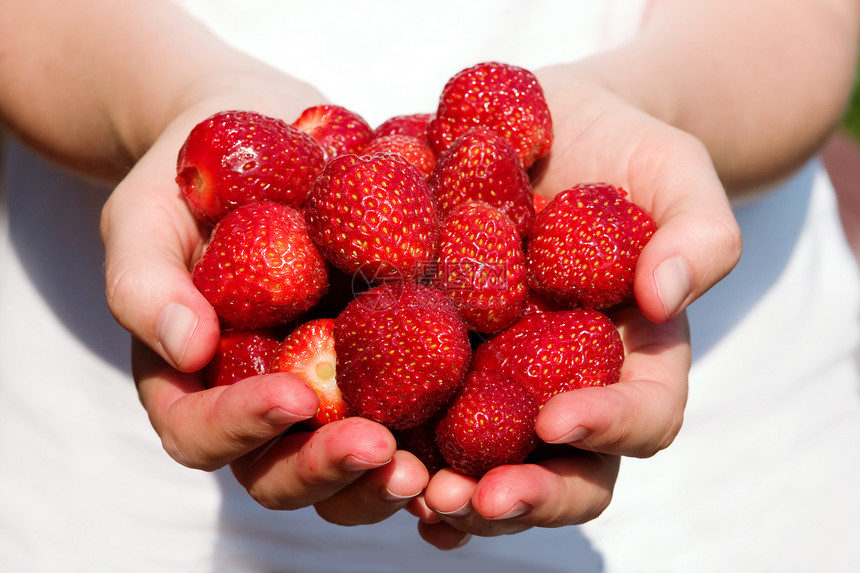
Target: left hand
[{"x": 638, "y": 416}]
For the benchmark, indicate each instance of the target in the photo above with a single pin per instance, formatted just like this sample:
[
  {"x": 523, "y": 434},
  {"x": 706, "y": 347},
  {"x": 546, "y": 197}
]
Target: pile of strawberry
[{"x": 409, "y": 273}]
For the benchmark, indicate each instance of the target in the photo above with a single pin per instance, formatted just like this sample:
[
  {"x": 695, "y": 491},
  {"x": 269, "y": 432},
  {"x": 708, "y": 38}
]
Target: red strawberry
[
  {"x": 490, "y": 422},
  {"x": 241, "y": 354},
  {"x": 482, "y": 266},
  {"x": 374, "y": 214},
  {"x": 483, "y": 166},
  {"x": 414, "y": 150},
  {"x": 308, "y": 352},
  {"x": 539, "y": 303},
  {"x": 414, "y": 124},
  {"x": 504, "y": 98},
  {"x": 402, "y": 352},
  {"x": 584, "y": 245},
  {"x": 240, "y": 157},
  {"x": 260, "y": 268},
  {"x": 553, "y": 352},
  {"x": 420, "y": 441},
  {"x": 539, "y": 202},
  {"x": 337, "y": 129}
]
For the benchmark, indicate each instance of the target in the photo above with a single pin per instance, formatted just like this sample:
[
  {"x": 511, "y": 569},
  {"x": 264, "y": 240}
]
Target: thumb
[
  {"x": 697, "y": 243},
  {"x": 150, "y": 239}
]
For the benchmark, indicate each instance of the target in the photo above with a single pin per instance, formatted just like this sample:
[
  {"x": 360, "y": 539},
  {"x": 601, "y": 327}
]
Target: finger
[
  {"x": 643, "y": 412},
  {"x": 151, "y": 239},
  {"x": 453, "y": 496},
  {"x": 208, "y": 428},
  {"x": 697, "y": 242},
  {"x": 378, "y": 494},
  {"x": 666, "y": 171},
  {"x": 301, "y": 469},
  {"x": 508, "y": 499},
  {"x": 556, "y": 492}
]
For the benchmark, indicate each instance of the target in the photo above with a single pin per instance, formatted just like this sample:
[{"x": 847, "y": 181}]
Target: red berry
[
  {"x": 374, "y": 214},
  {"x": 337, "y": 129},
  {"x": 489, "y": 423},
  {"x": 402, "y": 352},
  {"x": 260, "y": 268},
  {"x": 584, "y": 245},
  {"x": 420, "y": 441},
  {"x": 554, "y": 352},
  {"x": 241, "y": 354},
  {"x": 308, "y": 352},
  {"x": 414, "y": 150},
  {"x": 483, "y": 166},
  {"x": 539, "y": 202},
  {"x": 238, "y": 157},
  {"x": 482, "y": 266},
  {"x": 507, "y": 99},
  {"x": 536, "y": 303},
  {"x": 414, "y": 124}
]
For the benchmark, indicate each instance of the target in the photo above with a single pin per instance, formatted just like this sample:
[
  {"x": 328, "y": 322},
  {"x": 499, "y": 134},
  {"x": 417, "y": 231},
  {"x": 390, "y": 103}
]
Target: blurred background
[{"x": 842, "y": 157}]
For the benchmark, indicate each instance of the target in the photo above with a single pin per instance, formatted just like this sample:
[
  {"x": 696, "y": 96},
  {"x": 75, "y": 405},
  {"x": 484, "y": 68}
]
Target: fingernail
[
  {"x": 391, "y": 497},
  {"x": 278, "y": 416},
  {"x": 578, "y": 434},
  {"x": 674, "y": 283},
  {"x": 517, "y": 510},
  {"x": 461, "y": 511},
  {"x": 174, "y": 329},
  {"x": 352, "y": 463}
]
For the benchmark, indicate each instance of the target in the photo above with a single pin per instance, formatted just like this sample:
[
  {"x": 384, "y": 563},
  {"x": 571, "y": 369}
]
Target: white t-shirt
[{"x": 761, "y": 478}]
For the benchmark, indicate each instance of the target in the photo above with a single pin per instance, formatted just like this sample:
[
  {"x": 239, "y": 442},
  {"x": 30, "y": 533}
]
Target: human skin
[{"x": 102, "y": 90}]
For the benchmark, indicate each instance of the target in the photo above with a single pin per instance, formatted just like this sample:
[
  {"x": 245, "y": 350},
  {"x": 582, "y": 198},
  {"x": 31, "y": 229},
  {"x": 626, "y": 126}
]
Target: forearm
[
  {"x": 93, "y": 83},
  {"x": 760, "y": 82}
]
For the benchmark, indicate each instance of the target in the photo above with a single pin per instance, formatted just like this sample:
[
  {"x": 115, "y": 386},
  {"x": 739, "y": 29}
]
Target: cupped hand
[
  {"x": 590, "y": 429},
  {"x": 349, "y": 470},
  {"x": 601, "y": 137}
]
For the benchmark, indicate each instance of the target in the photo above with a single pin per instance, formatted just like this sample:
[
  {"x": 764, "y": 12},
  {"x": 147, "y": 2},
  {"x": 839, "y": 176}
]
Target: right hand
[{"x": 151, "y": 240}]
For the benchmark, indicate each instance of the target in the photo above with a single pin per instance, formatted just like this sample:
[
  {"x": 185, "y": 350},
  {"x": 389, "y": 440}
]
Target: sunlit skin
[{"x": 647, "y": 101}]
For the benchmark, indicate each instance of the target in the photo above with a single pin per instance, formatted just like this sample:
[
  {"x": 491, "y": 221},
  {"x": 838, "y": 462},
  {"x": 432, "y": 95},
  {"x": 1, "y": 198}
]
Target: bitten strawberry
[
  {"x": 374, "y": 214},
  {"x": 337, "y": 129},
  {"x": 308, "y": 352},
  {"x": 238, "y": 157},
  {"x": 482, "y": 266},
  {"x": 507, "y": 99},
  {"x": 414, "y": 150},
  {"x": 402, "y": 352},
  {"x": 482, "y": 165},
  {"x": 241, "y": 354},
  {"x": 414, "y": 124},
  {"x": 583, "y": 246},
  {"x": 490, "y": 422},
  {"x": 260, "y": 268},
  {"x": 554, "y": 352}
]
